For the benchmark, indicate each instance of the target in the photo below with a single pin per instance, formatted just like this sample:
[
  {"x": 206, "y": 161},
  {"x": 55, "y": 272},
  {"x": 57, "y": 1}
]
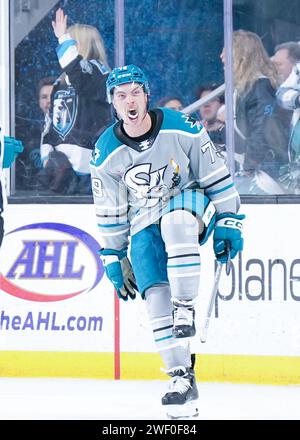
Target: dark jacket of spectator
[{"x": 260, "y": 132}]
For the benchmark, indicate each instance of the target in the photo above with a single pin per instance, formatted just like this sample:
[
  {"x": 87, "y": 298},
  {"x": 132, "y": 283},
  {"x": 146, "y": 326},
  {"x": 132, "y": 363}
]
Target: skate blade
[{"x": 188, "y": 410}]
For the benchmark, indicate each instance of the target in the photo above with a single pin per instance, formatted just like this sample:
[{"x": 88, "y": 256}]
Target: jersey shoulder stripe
[
  {"x": 106, "y": 144},
  {"x": 64, "y": 47},
  {"x": 180, "y": 122}
]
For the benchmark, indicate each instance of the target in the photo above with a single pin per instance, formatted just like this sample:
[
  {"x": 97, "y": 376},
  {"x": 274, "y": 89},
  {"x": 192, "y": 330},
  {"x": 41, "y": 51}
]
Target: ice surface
[{"x": 83, "y": 399}]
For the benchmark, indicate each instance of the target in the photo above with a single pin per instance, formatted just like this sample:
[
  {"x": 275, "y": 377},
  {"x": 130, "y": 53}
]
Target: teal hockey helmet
[{"x": 125, "y": 75}]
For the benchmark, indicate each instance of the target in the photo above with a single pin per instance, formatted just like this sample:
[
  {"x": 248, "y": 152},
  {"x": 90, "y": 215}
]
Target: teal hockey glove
[
  {"x": 12, "y": 147},
  {"x": 119, "y": 271},
  {"x": 228, "y": 236}
]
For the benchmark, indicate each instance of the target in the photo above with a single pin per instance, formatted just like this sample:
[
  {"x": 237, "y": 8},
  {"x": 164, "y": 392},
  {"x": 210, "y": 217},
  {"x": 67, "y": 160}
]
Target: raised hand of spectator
[{"x": 60, "y": 23}]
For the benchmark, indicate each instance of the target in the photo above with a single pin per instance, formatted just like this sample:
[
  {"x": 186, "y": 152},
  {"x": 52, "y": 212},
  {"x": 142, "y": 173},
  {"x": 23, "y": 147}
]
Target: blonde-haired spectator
[
  {"x": 79, "y": 109},
  {"x": 259, "y": 134}
]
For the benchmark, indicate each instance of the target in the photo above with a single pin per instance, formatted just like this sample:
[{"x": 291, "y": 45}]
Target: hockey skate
[
  {"x": 183, "y": 319},
  {"x": 181, "y": 399}
]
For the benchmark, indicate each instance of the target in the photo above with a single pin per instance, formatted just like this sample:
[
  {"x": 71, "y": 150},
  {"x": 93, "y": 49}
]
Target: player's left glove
[
  {"x": 12, "y": 147},
  {"x": 119, "y": 271},
  {"x": 228, "y": 236}
]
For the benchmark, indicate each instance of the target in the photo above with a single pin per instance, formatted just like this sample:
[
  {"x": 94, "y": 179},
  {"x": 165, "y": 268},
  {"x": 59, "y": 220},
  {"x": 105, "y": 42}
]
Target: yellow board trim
[
  {"x": 275, "y": 370},
  {"x": 56, "y": 364}
]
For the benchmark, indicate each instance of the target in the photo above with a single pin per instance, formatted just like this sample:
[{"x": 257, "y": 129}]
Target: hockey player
[
  {"x": 9, "y": 149},
  {"x": 156, "y": 177}
]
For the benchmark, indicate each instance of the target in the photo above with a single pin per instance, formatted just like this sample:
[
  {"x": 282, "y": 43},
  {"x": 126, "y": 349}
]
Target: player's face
[{"x": 130, "y": 102}]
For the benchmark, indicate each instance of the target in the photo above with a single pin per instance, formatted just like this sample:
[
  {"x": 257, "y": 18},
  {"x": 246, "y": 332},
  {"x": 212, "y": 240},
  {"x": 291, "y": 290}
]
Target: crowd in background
[{"x": 74, "y": 111}]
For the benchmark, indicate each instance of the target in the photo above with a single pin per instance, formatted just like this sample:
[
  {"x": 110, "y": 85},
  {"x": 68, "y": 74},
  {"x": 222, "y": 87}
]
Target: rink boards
[{"x": 58, "y": 316}]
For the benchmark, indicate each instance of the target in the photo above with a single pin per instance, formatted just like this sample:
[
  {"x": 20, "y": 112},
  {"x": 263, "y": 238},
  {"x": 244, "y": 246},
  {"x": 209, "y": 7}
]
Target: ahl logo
[{"x": 52, "y": 257}]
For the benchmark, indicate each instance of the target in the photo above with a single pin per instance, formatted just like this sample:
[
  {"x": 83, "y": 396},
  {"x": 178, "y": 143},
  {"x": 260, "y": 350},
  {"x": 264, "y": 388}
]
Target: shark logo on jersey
[
  {"x": 64, "y": 111},
  {"x": 191, "y": 121},
  {"x": 148, "y": 186}
]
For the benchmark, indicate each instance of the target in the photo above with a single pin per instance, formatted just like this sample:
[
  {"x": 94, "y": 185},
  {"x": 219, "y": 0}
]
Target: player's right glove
[
  {"x": 228, "y": 236},
  {"x": 119, "y": 271}
]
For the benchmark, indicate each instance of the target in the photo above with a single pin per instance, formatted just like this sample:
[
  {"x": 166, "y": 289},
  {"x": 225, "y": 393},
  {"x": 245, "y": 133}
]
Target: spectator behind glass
[
  {"x": 285, "y": 57},
  {"x": 212, "y": 115},
  {"x": 288, "y": 96},
  {"x": 259, "y": 132},
  {"x": 45, "y": 88},
  {"x": 172, "y": 102},
  {"x": 79, "y": 109},
  {"x": 28, "y": 164}
]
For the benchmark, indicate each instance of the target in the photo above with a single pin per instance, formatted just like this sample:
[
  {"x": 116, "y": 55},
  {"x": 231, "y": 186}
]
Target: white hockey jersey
[{"x": 133, "y": 179}]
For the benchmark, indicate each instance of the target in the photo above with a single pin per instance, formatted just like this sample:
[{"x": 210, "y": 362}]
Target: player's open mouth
[{"x": 132, "y": 114}]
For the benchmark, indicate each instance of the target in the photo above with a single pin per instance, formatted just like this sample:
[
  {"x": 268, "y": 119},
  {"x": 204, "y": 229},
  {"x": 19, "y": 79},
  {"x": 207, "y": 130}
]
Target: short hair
[
  {"x": 47, "y": 81},
  {"x": 293, "y": 50},
  {"x": 209, "y": 87},
  {"x": 163, "y": 101}
]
